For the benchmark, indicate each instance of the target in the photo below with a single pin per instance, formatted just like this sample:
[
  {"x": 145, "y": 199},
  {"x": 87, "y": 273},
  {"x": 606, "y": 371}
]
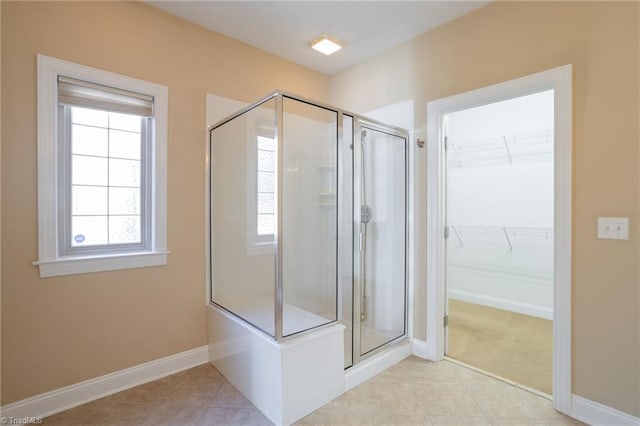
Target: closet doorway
[
  {"x": 499, "y": 238},
  {"x": 487, "y": 221}
]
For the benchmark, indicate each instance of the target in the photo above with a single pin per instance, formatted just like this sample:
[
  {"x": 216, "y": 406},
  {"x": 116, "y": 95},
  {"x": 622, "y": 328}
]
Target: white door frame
[{"x": 558, "y": 79}]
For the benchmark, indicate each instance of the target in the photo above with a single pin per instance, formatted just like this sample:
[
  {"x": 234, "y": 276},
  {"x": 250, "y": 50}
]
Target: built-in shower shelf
[{"x": 327, "y": 199}]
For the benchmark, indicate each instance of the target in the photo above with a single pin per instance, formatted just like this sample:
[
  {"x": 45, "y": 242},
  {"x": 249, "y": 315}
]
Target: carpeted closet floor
[{"x": 510, "y": 345}]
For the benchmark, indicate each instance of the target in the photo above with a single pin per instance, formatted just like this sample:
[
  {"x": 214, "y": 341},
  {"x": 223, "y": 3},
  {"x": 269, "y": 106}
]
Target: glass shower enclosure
[{"x": 308, "y": 221}]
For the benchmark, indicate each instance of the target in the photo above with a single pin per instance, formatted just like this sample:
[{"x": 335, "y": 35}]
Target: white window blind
[{"x": 81, "y": 93}]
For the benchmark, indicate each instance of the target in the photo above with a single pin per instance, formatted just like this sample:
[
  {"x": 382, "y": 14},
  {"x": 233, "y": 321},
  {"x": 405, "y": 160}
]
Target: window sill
[{"x": 87, "y": 264}]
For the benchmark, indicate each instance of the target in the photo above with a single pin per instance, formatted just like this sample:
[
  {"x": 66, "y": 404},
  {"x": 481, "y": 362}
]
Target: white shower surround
[{"x": 286, "y": 380}]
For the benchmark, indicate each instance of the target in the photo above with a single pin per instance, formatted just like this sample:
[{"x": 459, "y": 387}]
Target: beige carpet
[{"x": 514, "y": 346}]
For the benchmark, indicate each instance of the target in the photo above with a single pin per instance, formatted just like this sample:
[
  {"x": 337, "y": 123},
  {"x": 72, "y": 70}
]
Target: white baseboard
[
  {"x": 71, "y": 396},
  {"x": 420, "y": 348},
  {"x": 597, "y": 414},
  {"x": 375, "y": 365},
  {"x": 498, "y": 303}
]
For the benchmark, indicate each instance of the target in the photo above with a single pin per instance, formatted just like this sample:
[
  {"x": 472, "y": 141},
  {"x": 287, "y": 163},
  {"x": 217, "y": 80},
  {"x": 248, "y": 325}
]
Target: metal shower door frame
[{"x": 359, "y": 124}]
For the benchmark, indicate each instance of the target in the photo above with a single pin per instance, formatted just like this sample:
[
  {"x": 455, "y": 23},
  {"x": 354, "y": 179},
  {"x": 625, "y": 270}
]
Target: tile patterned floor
[{"x": 413, "y": 392}]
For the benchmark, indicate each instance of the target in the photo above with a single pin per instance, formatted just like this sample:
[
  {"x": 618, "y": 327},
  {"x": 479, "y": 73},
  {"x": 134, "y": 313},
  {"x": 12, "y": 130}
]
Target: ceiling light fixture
[{"x": 324, "y": 44}]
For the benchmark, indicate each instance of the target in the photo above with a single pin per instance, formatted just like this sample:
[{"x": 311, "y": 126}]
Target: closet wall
[{"x": 500, "y": 205}]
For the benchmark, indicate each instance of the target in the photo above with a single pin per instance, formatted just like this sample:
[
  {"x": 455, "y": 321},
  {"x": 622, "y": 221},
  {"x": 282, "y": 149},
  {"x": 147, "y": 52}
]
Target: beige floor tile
[
  {"x": 566, "y": 420},
  {"x": 449, "y": 399},
  {"x": 448, "y": 420},
  {"x": 374, "y": 388},
  {"x": 412, "y": 392},
  {"x": 187, "y": 397},
  {"x": 310, "y": 420},
  {"x": 504, "y": 400},
  {"x": 452, "y": 420},
  {"x": 358, "y": 399},
  {"x": 421, "y": 371},
  {"x": 400, "y": 418},
  {"x": 73, "y": 417},
  {"x": 204, "y": 370},
  {"x": 171, "y": 415},
  {"x": 471, "y": 377},
  {"x": 383, "y": 396},
  {"x": 114, "y": 413},
  {"x": 160, "y": 385},
  {"x": 396, "y": 373},
  {"x": 501, "y": 421},
  {"x": 229, "y": 397},
  {"x": 328, "y": 417},
  {"x": 407, "y": 399},
  {"x": 473, "y": 421},
  {"x": 199, "y": 384},
  {"x": 545, "y": 406},
  {"x": 145, "y": 394},
  {"x": 232, "y": 416}
]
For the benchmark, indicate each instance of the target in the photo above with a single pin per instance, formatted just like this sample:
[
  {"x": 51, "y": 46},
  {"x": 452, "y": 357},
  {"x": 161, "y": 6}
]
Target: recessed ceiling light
[{"x": 324, "y": 44}]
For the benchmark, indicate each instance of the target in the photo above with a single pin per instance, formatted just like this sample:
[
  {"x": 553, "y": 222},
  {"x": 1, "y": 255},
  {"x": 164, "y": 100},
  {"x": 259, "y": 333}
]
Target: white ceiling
[{"x": 285, "y": 28}]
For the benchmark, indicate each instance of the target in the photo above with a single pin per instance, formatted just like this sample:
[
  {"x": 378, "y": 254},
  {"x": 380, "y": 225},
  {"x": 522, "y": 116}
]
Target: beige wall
[
  {"x": 59, "y": 331},
  {"x": 506, "y": 40}
]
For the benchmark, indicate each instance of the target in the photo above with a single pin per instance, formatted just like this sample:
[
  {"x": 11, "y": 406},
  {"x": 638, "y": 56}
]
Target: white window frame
[{"x": 51, "y": 261}]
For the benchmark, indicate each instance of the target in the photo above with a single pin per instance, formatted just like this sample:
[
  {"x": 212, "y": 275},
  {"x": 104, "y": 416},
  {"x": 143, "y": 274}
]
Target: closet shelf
[
  {"x": 527, "y": 147},
  {"x": 508, "y": 233}
]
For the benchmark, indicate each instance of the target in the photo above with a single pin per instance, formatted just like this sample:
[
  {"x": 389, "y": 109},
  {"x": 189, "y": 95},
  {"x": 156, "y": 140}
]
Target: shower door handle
[
  {"x": 365, "y": 214},
  {"x": 363, "y": 281}
]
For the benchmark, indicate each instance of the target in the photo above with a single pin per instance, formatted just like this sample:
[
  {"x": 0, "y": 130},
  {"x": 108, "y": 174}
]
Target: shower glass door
[{"x": 380, "y": 296}]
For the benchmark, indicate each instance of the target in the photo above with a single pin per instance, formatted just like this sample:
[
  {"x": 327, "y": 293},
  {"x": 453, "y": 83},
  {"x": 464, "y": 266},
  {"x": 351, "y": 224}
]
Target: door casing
[{"x": 560, "y": 80}]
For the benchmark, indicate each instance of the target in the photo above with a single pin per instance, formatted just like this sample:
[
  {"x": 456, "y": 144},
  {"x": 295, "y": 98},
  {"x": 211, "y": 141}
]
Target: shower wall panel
[{"x": 242, "y": 269}]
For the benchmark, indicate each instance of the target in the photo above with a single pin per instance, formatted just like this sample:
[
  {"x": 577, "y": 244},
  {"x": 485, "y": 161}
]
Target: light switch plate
[{"x": 613, "y": 228}]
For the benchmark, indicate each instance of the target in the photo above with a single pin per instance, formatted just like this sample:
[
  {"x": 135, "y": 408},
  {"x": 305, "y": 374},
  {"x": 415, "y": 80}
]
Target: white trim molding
[
  {"x": 501, "y": 303},
  {"x": 375, "y": 365},
  {"x": 58, "y": 400},
  {"x": 560, "y": 80},
  {"x": 420, "y": 348},
  {"x": 597, "y": 414}
]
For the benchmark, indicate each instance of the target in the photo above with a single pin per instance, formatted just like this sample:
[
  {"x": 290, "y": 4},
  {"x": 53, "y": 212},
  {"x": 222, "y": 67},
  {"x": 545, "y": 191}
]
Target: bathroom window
[
  {"x": 261, "y": 183},
  {"x": 104, "y": 158},
  {"x": 265, "y": 194},
  {"x": 102, "y": 170}
]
